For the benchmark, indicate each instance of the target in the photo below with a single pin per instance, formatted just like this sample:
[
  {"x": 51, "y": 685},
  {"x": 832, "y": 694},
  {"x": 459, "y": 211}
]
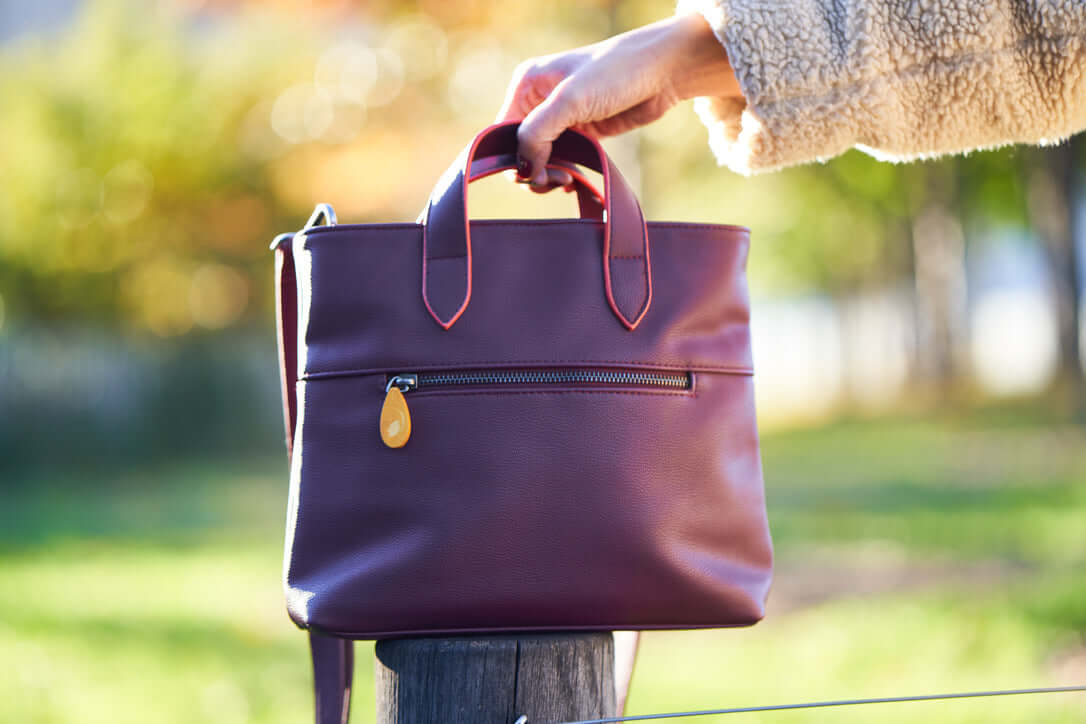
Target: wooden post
[{"x": 547, "y": 678}]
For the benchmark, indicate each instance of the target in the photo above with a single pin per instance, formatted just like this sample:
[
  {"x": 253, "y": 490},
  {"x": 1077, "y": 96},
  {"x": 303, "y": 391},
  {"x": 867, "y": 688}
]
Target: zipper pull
[{"x": 395, "y": 417}]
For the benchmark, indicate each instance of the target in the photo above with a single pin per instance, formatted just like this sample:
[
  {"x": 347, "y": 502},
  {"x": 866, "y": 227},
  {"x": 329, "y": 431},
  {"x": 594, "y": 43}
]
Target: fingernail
[{"x": 524, "y": 169}]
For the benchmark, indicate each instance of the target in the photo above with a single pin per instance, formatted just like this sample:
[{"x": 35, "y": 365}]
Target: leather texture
[{"x": 519, "y": 508}]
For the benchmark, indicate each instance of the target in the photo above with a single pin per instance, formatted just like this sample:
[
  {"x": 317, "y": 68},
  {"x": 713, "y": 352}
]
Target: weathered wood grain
[{"x": 495, "y": 679}]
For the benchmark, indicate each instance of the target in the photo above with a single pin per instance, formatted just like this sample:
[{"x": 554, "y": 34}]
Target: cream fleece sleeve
[{"x": 898, "y": 79}]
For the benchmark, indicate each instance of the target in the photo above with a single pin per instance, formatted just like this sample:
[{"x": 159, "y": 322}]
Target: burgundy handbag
[{"x": 511, "y": 425}]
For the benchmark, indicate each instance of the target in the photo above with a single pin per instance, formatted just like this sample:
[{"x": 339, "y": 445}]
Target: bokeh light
[
  {"x": 217, "y": 296},
  {"x": 422, "y": 46},
  {"x": 126, "y": 191},
  {"x": 1015, "y": 343}
]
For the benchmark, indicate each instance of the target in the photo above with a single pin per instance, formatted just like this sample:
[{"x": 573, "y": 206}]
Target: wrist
[{"x": 701, "y": 66}]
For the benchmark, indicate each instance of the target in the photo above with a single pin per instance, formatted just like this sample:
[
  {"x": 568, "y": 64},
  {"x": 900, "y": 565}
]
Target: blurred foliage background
[{"x": 918, "y": 336}]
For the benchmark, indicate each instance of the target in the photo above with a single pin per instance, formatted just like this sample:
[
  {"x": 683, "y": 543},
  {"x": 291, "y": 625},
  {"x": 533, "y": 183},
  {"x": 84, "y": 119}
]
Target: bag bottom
[{"x": 447, "y": 633}]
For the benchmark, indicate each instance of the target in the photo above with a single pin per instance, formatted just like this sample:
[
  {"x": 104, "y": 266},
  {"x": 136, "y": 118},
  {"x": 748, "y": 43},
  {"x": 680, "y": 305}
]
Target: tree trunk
[
  {"x": 1054, "y": 187},
  {"x": 938, "y": 244}
]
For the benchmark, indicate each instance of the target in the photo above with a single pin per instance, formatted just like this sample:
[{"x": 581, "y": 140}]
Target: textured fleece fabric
[{"x": 899, "y": 79}]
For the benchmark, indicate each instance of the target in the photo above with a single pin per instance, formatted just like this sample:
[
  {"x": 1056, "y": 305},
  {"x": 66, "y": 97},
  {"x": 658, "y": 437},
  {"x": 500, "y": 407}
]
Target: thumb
[{"x": 542, "y": 126}]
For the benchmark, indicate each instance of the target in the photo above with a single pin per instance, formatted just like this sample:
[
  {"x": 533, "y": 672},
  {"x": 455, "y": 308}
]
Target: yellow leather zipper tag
[{"x": 395, "y": 418}]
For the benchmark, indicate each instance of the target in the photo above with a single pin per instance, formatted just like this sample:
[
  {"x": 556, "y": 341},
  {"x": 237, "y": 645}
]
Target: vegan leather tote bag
[{"x": 517, "y": 425}]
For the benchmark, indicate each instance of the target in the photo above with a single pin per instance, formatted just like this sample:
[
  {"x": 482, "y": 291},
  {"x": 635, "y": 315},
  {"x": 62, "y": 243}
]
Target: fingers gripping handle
[
  {"x": 446, "y": 236},
  {"x": 589, "y": 198}
]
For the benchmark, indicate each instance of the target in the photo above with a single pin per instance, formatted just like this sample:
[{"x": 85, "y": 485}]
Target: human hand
[{"x": 612, "y": 87}]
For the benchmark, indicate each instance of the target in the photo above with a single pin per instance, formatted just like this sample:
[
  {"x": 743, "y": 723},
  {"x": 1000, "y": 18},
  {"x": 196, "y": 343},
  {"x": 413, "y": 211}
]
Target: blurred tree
[
  {"x": 1054, "y": 200},
  {"x": 938, "y": 246},
  {"x": 129, "y": 185}
]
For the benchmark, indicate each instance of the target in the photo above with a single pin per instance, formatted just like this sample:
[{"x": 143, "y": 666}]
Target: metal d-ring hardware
[
  {"x": 279, "y": 239},
  {"x": 321, "y": 211},
  {"x": 323, "y": 215}
]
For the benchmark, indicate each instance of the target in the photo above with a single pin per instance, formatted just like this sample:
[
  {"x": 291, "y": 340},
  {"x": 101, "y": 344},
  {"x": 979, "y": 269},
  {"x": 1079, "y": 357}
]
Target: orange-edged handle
[
  {"x": 589, "y": 198},
  {"x": 446, "y": 233}
]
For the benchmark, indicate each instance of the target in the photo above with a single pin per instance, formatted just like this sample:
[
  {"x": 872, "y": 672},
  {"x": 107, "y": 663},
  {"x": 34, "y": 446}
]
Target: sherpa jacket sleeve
[{"x": 898, "y": 79}]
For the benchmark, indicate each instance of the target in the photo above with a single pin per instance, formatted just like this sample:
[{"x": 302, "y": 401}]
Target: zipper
[{"x": 395, "y": 424}]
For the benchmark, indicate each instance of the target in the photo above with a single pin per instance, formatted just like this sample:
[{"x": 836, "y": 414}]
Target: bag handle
[
  {"x": 589, "y": 198},
  {"x": 446, "y": 235}
]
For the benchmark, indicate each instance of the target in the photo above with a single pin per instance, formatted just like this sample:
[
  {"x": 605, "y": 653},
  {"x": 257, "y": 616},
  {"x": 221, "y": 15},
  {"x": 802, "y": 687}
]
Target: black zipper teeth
[{"x": 640, "y": 378}]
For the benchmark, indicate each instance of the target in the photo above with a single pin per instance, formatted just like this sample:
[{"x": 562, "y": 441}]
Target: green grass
[
  {"x": 959, "y": 488},
  {"x": 914, "y": 557}
]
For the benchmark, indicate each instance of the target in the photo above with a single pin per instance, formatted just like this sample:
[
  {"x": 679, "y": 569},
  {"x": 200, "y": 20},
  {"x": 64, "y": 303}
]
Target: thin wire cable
[{"x": 827, "y": 704}]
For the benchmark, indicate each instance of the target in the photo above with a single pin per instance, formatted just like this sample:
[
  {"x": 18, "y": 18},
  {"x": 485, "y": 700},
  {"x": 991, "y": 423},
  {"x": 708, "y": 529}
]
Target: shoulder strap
[
  {"x": 333, "y": 657},
  {"x": 286, "y": 318},
  {"x": 333, "y": 671}
]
